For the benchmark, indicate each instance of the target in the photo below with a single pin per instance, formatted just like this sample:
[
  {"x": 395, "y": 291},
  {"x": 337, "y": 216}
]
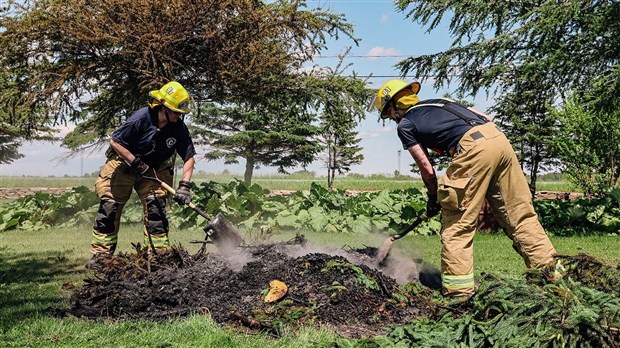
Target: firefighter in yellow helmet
[
  {"x": 483, "y": 166},
  {"x": 144, "y": 147}
]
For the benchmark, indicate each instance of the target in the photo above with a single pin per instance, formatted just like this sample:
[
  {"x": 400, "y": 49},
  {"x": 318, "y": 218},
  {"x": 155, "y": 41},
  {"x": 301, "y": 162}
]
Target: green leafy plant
[
  {"x": 581, "y": 216},
  {"x": 41, "y": 210},
  {"x": 360, "y": 275}
]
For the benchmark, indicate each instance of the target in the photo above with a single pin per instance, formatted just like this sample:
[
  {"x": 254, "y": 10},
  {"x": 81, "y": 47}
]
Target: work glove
[
  {"x": 432, "y": 206},
  {"x": 139, "y": 166},
  {"x": 183, "y": 194}
]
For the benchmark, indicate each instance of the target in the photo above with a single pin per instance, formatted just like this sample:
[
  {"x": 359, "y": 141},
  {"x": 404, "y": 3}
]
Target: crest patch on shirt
[{"x": 170, "y": 142}]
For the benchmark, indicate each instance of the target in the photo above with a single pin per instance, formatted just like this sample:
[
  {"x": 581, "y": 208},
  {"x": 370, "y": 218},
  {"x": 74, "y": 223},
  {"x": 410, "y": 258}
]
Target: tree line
[{"x": 552, "y": 68}]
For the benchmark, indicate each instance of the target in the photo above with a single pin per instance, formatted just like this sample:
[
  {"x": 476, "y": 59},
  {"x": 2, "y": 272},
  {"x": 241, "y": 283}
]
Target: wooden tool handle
[{"x": 190, "y": 204}]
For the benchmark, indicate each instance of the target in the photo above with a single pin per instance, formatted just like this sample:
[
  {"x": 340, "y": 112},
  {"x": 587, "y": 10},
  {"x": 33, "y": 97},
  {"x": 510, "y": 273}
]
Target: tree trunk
[
  {"x": 249, "y": 170},
  {"x": 534, "y": 174},
  {"x": 330, "y": 167}
]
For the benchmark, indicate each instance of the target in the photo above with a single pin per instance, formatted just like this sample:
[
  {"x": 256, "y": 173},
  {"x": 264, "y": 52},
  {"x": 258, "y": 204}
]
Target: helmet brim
[{"x": 156, "y": 94}]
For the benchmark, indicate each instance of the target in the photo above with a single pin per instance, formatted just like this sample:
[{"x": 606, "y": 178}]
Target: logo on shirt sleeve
[{"x": 170, "y": 142}]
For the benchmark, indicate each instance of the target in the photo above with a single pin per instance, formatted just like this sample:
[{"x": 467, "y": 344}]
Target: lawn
[
  {"x": 39, "y": 270},
  {"x": 292, "y": 182}
]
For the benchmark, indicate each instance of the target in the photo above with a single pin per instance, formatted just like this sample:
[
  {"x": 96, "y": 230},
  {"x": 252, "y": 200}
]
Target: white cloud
[
  {"x": 384, "y": 18},
  {"x": 380, "y": 51}
]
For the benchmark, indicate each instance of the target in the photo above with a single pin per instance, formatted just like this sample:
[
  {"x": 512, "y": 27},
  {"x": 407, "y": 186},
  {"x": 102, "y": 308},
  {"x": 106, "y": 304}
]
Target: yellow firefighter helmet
[
  {"x": 389, "y": 90},
  {"x": 173, "y": 96}
]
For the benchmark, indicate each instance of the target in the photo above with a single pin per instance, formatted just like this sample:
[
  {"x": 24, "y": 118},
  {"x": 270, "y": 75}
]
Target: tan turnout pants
[
  {"x": 114, "y": 186},
  {"x": 486, "y": 167}
]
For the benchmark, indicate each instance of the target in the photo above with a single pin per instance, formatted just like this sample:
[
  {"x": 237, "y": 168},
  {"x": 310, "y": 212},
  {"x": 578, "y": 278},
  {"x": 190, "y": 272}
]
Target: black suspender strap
[{"x": 454, "y": 108}]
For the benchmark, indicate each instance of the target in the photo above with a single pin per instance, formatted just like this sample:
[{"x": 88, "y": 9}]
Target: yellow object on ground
[{"x": 277, "y": 290}]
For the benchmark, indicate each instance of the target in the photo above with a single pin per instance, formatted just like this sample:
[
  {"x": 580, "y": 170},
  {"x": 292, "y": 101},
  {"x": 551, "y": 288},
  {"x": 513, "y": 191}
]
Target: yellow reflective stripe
[
  {"x": 457, "y": 281},
  {"x": 448, "y": 100},
  {"x": 158, "y": 242},
  {"x": 421, "y": 105},
  {"x": 104, "y": 240}
]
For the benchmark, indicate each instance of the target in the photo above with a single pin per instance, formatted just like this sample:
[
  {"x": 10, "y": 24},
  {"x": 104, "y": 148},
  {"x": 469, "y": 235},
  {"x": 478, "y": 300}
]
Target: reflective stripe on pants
[{"x": 456, "y": 282}]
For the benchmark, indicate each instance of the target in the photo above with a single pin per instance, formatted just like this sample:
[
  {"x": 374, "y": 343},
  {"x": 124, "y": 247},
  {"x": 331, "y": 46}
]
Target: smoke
[
  {"x": 401, "y": 268},
  {"x": 238, "y": 258}
]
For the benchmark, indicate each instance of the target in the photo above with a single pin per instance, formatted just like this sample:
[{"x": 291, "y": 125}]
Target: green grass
[
  {"x": 39, "y": 270},
  {"x": 195, "y": 331},
  {"x": 270, "y": 182},
  {"x": 33, "y": 181},
  {"x": 292, "y": 182}
]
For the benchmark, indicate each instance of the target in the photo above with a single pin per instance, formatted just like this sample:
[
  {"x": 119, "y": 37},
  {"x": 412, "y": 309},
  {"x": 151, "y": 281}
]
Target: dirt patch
[
  {"x": 338, "y": 291},
  {"x": 19, "y": 192},
  {"x": 565, "y": 196}
]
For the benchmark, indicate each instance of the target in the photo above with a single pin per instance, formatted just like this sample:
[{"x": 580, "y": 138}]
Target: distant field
[{"x": 272, "y": 182}]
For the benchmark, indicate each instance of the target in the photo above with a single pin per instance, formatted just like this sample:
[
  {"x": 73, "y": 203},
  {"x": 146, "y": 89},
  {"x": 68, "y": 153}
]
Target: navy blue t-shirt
[
  {"x": 141, "y": 136},
  {"x": 435, "y": 127}
]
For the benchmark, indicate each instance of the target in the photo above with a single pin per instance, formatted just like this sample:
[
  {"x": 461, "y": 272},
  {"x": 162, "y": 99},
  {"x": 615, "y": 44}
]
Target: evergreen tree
[
  {"x": 340, "y": 104},
  {"x": 93, "y": 62},
  {"x": 525, "y": 115},
  {"x": 531, "y": 54},
  {"x": 278, "y": 131}
]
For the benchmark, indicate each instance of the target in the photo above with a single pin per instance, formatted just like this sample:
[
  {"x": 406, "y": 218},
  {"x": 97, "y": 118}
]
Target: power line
[
  {"x": 366, "y": 56},
  {"x": 399, "y": 76},
  {"x": 351, "y": 1}
]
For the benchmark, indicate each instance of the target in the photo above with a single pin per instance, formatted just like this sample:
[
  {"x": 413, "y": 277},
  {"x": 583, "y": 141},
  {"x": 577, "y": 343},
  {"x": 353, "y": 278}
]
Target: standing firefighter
[
  {"x": 144, "y": 146},
  {"x": 483, "y": 165}
]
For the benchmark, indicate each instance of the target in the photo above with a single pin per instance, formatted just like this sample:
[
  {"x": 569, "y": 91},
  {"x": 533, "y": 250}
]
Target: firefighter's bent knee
[
  {"x": 106, "y": 215},
  {"x": 157, "y": 222}
]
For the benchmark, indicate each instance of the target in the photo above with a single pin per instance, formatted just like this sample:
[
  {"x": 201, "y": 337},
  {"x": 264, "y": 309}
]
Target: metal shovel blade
[
  {"x": 223, "y": 234},
  {"x": 384, "y": 250},
  {"x": 387, "y": 245}
]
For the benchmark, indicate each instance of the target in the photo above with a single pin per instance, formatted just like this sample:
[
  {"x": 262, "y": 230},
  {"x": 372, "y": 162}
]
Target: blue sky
[{"x": 386, "y": 38}]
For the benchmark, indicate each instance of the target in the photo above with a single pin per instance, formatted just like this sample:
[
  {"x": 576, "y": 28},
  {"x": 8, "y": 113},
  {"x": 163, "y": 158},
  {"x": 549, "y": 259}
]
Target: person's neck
[{"x": 163, "y": 121}]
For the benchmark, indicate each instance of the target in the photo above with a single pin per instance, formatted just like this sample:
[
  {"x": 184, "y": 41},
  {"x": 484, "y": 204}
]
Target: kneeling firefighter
[{"x": 143, "y": 147}]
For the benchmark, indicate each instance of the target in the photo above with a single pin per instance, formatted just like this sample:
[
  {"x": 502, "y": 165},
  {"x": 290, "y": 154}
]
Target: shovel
[
  {"x": 220, "y": 230},
  {"x": 387, "y": 245}
]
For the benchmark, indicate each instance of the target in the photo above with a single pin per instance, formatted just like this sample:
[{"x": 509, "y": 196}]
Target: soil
[
  {"x": 348, "y": 292},
  {"x": 19, "y": 192}
]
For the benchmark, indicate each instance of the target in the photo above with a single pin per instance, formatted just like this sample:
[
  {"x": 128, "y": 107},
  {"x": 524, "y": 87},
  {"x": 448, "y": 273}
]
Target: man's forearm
[
  {"x": 188, "y": 169},
  {"x": 431, "y": 184},
  {"x": 427, "y": 172},
  {"x": 122, "y": 151}
]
